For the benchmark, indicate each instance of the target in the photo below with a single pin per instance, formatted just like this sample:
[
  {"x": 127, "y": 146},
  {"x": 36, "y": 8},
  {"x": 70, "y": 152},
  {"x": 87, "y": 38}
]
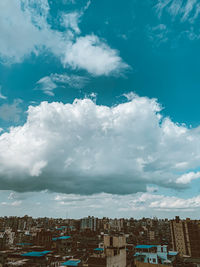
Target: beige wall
[
  {"x": 151, "y": 235},
  {"x": 118, "y": 260},
  {"x": 118, "y": 241},
  {"x": 116, "y": 252}
]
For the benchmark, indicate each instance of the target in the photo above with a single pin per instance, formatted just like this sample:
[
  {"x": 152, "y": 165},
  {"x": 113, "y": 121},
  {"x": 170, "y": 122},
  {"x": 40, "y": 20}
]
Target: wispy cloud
[
  {"x": 190, "y": 5},
  {"x": 101, "y": 204},
  {"x": 157, "y": 34},
  {"x": 49, "y": 83},
  {"x": 137, "y": 202},
  {"x": 12, "y": 204},
  {"x": 71, "y": 20},
  {"x": 1, "y": 95},
  {"x": 175, "y": 203},
  {"x": 183, "y": 10},
  {"x": 11, "y": 112},
  {"x": 181, "y": 22}
]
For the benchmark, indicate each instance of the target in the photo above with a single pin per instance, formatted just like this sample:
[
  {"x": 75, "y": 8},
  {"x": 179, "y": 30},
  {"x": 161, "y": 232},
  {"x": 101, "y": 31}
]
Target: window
[{"x": 111, "y": 241}]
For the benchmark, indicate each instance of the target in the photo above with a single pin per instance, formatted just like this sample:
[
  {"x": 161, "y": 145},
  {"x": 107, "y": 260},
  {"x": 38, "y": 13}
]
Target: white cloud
[
  {"x": 71, "y": 20},
  {"x": 175, "y": 8},
  {"x": 75, "y": 205},
  {"x": 95, "y": 56},
  {"x": 36, "y": 169},
  {"x": 170, "y": 203},
  {"x": 49, "y": 83},
  {"x": 158, "y": 34},
  {"x": 137, "y": 203},
  {"x": 188, "y": 177},
  {"x": 182, "y": 10},
  {"x": 152, "y": 189},
  {"x": 130, "y": 96},
  {"x": 183, "y": 13},
  {"x": 16, "y": 203},
  {"x": 188, "y": 8},
  {"x": 159, "y": 7},
  {"x": 24, "y": 31},
  {"x": 11, "y": 196},
  {"x": 12, "y": 204},
  {"x": 1, "y": 95},
  {"x": 11, "y": 112},
  {"x": 85, "y": 148}
]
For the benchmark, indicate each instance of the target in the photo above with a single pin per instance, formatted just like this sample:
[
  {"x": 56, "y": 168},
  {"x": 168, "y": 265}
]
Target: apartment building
[{"x": 185, "y": 235}]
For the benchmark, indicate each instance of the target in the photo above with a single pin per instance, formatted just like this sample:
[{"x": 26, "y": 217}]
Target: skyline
[{"x": 99, "y": 110}]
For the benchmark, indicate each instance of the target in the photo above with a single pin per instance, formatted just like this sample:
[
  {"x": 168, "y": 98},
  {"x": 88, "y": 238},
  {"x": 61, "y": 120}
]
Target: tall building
[
  {"x": 112, "y": 255},
  {"x": 89, "y": 223},
  {"x": 185, "y": 235},
  {"x": 115, "y": 250}
]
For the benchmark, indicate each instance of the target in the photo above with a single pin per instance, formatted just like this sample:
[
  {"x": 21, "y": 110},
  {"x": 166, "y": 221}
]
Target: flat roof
[
  {"x": 36, "y": 253},
  {"x": 61, "y": 238},
  {"x": 98, "y": 249},
  {"x": 172, "y": 253},
  {"x": 146, "y": 246},
  {"x": 71, "y": 263}
]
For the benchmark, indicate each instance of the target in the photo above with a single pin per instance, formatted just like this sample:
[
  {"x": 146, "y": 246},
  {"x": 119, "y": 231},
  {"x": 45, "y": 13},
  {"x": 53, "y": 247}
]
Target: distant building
[
  {"x": 151, "y": 235},
  {"x": 185, "y": 236},
  {"x": 89, "y": 223}
]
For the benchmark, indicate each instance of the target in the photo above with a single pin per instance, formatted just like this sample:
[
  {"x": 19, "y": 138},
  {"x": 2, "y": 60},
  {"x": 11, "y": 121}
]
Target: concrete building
[
  {"x": 115, "y": 251},
  {"x": 154, "y": 254},
  {"x": 113, "y": 254},
  {"x": 185, "y": 236},
  {"x": 89, "y": 223}
]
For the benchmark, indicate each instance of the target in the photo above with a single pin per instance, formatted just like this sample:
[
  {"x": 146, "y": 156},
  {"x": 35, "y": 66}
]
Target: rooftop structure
[{"x": 154, "y": 254}]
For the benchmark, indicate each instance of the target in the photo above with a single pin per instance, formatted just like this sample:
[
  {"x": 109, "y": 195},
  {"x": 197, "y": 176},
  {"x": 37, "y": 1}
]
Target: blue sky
[{"x": 99, "y": 103}]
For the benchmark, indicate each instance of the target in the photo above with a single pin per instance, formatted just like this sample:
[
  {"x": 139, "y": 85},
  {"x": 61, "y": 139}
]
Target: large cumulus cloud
[{"x": 85, "y": 148}]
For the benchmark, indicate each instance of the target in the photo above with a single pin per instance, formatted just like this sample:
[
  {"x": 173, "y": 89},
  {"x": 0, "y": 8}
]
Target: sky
[{"x": 99, "y": 108}]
